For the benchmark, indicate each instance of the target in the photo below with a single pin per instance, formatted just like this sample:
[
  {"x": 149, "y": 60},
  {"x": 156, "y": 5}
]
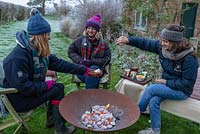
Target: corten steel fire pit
[{"x": 74, "y": 105}]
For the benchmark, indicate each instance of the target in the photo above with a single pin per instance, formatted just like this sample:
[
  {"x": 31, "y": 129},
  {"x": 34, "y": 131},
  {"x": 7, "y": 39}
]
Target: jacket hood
[{"x": 22, "y": 39}]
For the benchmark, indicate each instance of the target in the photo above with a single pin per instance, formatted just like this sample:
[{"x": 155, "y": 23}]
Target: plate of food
[{"x": 140, "y": 77}]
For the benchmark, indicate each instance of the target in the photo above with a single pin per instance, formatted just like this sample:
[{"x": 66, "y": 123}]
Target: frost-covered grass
[
  {"x": 59, "y": 43},
  {"x": 8, "y": 32}
]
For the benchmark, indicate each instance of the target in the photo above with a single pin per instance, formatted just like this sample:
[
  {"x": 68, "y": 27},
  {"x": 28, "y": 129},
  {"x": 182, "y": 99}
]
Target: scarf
[
  {"x": 40, "y": 66},
  {"x": 90, "y": 49},
  {"x": 177, "y": 56}
]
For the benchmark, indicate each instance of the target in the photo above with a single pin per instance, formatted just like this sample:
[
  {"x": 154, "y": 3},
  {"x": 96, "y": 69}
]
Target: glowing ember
[{"x": 107, "y": 106}]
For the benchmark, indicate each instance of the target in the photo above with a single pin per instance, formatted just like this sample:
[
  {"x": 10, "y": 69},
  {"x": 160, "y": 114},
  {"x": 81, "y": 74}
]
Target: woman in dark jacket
[
  {"x": 25, "y": 68},
  {"x": 90, "y": 50},
  {"x": 179, "y": 65}
]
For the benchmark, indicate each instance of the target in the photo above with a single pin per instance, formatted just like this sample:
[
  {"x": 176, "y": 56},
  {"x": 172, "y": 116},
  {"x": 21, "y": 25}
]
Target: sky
[{"x": 19, "y": 2}]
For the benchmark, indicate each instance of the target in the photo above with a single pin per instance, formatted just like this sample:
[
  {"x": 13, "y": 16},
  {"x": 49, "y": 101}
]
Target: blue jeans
[
  {"x": 90, "y": 82},
  {"x": 153, "y": 95}
]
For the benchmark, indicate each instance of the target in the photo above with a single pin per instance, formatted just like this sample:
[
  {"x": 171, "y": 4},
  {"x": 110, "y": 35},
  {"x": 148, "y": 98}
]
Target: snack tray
[{"x": 147, "y": 80}]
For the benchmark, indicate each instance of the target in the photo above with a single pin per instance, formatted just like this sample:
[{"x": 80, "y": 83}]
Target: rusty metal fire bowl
[{"x": 74, "y": 105}]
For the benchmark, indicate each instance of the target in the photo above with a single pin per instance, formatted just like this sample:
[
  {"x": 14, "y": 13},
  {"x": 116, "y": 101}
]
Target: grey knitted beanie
[{"x": 171, "y": 35}]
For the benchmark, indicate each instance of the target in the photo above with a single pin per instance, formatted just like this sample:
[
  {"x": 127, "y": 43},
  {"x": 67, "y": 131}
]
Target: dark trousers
[{"x": 25, "y": 103}]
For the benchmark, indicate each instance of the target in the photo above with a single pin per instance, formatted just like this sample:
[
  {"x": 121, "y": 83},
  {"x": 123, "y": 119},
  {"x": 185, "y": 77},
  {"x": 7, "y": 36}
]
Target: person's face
[
  {"x": 165, "y": 44},
  {"x": 91, "y": 31}
]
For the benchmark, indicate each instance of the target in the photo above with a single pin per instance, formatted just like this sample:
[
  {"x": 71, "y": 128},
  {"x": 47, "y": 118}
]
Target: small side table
[{"x": 130, "y": 88}]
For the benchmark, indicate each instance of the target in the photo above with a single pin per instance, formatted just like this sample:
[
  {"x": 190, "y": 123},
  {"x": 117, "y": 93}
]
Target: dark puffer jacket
[
  {"x": 19, "y": 68},
  {"x": 182, "y": 79},
  {"x": 101, "y": 57}
]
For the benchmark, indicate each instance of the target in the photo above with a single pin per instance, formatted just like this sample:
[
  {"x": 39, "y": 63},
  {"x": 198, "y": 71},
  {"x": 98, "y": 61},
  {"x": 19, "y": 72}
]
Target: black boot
[
  {"x": 49, "y": 116},
  {"x": 60, "y": 123},
  {"x": 68, "y": 130}
]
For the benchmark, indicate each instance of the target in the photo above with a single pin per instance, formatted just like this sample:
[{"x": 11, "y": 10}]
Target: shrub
[
  {"x": 69, "y": 27},
  {"x": 82, "y": 11},
  {"x": 10, "y": 12}
]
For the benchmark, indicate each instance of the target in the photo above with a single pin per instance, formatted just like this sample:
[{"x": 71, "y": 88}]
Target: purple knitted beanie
[{"x": 94, "y": 21}]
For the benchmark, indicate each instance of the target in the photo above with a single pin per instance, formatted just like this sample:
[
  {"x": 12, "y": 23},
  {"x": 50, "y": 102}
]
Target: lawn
[{"x": 59, "y": 44}]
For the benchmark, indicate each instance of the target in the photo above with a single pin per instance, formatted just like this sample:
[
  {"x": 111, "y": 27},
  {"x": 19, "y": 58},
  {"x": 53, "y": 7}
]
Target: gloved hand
[
  {"x": 49, "y": 84},
  {"x": 86, "y": 63}
]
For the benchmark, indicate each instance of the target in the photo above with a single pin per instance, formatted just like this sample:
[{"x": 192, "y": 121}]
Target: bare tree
[
  {"x": 63, "y": 8},
  {"x": 159, "y": 19},
  {"x": 39, "y": 4}
]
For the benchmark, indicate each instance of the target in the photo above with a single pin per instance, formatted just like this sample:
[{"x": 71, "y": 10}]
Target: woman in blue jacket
[
  {"x": 25, "y": 68},
  {"x": 179, "y": 65}
]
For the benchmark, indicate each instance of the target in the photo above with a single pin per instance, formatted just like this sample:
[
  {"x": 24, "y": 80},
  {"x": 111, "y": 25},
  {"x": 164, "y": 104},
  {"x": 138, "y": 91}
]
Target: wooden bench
[{"x": 189, "y": 108}]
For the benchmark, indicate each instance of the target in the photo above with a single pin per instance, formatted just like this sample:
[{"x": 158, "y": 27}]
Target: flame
[{"x": 107, "y": 106}]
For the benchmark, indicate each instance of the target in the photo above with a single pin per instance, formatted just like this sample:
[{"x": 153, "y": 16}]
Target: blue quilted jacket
[{"x": 180, "y": 75}]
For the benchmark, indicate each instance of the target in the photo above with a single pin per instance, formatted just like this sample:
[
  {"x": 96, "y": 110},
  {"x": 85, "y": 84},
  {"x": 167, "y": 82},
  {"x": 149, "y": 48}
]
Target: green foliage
[
  {"x": 126, "y": 57},
  {"x": 164, "y": 17}
]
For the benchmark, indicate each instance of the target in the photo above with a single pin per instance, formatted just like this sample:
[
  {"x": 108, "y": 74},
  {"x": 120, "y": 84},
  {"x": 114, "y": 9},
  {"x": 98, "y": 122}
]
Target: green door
[{"x": 188, "y": 18}]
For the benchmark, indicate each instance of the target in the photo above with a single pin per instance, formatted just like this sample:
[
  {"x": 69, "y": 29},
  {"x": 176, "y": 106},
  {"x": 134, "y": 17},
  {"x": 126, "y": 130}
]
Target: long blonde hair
[{"x": 41, "y": 42}]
